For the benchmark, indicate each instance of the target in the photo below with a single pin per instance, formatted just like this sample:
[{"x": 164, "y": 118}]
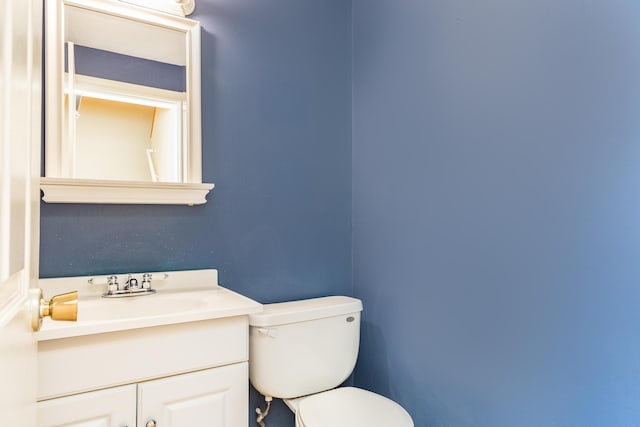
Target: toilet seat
[{"x": 350, "y": 407}]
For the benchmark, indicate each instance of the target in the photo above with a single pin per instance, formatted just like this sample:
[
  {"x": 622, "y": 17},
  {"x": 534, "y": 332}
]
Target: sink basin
[{"x": 104, "y": 309}]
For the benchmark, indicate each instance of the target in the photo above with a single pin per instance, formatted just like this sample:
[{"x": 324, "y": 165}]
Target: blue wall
[
  {"x": 276, "y": 79},
  {"x": 496, "y": 209},
  {"x": 495, "y": 205}
]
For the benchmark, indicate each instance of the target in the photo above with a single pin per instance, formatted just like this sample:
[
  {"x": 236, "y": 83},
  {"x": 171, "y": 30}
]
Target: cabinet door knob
[{"x": 151, "y": 423}]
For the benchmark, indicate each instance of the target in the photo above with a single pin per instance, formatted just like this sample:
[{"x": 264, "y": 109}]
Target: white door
[
  {"x": 113, "y": 407},
  {"x": 212, "y": 398},
  {"x": 20, "y": 115}
]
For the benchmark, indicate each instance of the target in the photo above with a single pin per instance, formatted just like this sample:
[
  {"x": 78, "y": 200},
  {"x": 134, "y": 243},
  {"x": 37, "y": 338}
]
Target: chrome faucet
[{"x": 131, "y": 287}]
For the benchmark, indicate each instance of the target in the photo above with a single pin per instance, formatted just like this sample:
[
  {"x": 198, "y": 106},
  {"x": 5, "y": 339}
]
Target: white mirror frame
[
  {"x": 70, "y": 190},
  {"x": 177, "y": 7}
]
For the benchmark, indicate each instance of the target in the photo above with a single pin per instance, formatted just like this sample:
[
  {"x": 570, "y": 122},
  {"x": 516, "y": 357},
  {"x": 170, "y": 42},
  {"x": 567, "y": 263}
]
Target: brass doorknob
[{"x": 60, "y": 307}]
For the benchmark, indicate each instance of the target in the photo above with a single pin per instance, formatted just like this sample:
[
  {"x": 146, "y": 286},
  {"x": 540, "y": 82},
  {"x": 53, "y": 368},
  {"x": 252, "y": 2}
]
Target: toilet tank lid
[{"x": 283, "y": 313}]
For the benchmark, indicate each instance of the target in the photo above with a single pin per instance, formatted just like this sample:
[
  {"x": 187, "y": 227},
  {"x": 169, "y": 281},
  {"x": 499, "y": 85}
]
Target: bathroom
[{"x": 467, "y": 169}]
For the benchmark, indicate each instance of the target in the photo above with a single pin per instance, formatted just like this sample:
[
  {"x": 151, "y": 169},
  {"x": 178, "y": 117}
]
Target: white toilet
[{"x": 300, "y": 351}]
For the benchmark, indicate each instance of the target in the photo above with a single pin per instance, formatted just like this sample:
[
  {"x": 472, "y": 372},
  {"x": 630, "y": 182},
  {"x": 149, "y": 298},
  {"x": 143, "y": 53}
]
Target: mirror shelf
[
  {"x": 66, "y": 190},
  {"x": 157, "y": 159}
]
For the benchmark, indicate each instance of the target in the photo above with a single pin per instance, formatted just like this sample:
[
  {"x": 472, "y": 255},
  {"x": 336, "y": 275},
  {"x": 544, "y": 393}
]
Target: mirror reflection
[{"x": 121, "y": 129}]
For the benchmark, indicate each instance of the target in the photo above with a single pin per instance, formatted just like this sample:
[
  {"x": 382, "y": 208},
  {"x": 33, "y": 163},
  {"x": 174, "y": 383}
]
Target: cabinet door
[
  {"x": 211, "y": 398},
  {"x": 114, "y": 407}
]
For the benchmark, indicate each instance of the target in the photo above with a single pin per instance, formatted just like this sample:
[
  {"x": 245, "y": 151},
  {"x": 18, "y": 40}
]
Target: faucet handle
[
  {"x": 146, "y": 281},
  {"x": 112, "y": 283}
]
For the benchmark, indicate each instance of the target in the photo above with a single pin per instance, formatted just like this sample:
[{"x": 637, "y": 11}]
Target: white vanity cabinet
[
  {"x": 178, "y": 357},
  {"x": 215, "y": 397},
  {"x": 179, "y": 375},
  {"x": 212, "y": 397},
  {"x": 113, "y": 407}
]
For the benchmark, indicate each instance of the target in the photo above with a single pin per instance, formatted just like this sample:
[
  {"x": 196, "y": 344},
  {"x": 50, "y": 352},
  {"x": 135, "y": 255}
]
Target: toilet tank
[{"x": 303, "y": 347}]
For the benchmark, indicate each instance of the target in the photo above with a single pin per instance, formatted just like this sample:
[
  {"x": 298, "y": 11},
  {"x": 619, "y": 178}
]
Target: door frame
[{"x": 20, "y": 147}]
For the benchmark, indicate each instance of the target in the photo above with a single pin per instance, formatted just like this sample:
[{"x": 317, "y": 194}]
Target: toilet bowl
[
  {"x": 349, "y": 407},
  {"x": 300, "y": 351}
]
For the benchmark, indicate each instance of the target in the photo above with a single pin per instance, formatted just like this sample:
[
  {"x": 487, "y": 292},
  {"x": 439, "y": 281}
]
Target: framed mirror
[{"x": 122, "y": 105}]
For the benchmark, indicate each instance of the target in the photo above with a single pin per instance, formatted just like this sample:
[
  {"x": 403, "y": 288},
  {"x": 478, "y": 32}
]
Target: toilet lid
[{"x": 351, "y": 407}]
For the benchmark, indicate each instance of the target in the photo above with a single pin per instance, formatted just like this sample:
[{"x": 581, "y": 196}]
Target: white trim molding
[
  {"x": 174, "y": 7},
  {"x": 66, "y": 190}
]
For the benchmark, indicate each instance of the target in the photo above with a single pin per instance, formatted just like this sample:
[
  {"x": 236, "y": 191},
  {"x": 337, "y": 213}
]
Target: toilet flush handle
[{"x": 273, "y": 333}]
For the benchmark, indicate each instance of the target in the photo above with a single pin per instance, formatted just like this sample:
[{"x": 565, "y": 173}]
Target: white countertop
[{"x": 184, "y": 297}]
